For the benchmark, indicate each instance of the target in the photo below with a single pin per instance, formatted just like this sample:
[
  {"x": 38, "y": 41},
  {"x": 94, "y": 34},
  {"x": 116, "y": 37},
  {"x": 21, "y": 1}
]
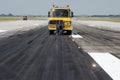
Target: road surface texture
[
  {"x": 98, "y": 39},
  {"x": 36, "y": 55}
]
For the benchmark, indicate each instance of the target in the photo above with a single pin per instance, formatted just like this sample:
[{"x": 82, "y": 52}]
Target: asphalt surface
[
  {"x": 36, "y": 55},
  {"x": 98, "y": 40}
]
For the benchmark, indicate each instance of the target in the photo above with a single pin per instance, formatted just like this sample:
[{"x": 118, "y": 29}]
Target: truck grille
[{"x": 52, "y": 22}]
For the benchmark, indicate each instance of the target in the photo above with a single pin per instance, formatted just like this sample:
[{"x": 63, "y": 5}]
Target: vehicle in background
[{"x": 25, "y": 17}]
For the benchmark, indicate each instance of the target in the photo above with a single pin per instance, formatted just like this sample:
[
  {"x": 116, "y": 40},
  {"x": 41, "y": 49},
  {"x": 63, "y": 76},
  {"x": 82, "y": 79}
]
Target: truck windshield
[{"x": 60, "y": 13}]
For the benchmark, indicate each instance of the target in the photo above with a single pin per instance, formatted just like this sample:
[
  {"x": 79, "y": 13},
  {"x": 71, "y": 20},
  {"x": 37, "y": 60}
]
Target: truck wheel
[
  {"x": 69, "y": 32},
  {"x": 51, "y": 32}
]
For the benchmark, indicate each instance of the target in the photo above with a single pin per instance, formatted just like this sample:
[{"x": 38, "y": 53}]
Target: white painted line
[
  {"x": 36, "y": 24},
  {"x": 3, "y": 30},
  {"x": 75, "y": 35},
  {"x": 108, "y": 62}
]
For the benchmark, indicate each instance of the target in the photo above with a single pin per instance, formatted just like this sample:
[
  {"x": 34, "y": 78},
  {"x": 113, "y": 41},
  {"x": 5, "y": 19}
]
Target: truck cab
[{"x": 60, "y": 14}]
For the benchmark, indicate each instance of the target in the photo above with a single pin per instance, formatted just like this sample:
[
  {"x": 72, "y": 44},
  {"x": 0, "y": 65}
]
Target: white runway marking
[
  {"x": 108, "y": 62},
  {"x": 3, "y": 30},
  {"x": 75, "y": 35},
  {"x": 36, "y": 24}
]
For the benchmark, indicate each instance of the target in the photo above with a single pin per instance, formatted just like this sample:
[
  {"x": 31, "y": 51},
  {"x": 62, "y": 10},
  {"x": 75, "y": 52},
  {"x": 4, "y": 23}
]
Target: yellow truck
[{"x": 60, "y": 14}]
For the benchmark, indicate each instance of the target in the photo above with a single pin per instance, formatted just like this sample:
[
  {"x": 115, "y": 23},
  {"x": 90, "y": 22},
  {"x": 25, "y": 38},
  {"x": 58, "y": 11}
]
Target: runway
[{"x": 36, "y": 55}]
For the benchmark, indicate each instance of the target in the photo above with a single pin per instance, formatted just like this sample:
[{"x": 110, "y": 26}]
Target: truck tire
[
  {"x": 69, "y": 32},
  {"x": 51, "y": 32}
]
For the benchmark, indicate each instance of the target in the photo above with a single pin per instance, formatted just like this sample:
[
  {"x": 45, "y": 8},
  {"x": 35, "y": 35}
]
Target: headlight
[{"x": 67, "y": 23}]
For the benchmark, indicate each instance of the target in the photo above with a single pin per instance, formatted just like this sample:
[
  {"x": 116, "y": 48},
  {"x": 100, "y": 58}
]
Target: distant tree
[
  {"x": 10, "y": 14},
  {"x": 6, "y": 14},
  {"x": 2, "y": 15}
]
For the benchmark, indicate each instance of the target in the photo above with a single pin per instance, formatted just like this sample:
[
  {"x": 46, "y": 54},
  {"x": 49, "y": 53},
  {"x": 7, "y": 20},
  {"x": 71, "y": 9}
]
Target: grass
[
  {"x": 3, "y": 19},
  {"x": 9, "y": 18},
  {"x": 110, "y": 19}
]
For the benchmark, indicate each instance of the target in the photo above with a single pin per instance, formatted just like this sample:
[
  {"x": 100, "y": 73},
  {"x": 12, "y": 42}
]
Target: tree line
[
  {"x": 96, "y": 15},
  {"x": 105, "y": 16},
  {"x": 10, "y": 14}
]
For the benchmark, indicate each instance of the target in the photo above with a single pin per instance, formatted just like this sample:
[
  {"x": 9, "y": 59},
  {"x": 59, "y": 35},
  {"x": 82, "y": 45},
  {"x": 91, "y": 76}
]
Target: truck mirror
[
  {"x": 49, "y": 14},
  {"x": 72, "y": 14}
]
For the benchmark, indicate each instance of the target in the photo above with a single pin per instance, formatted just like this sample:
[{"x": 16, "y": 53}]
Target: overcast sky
[{"x": 41, "y": 7}]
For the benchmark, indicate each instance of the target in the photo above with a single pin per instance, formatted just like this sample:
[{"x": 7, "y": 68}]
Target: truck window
[{"x": 60, "y": 13}]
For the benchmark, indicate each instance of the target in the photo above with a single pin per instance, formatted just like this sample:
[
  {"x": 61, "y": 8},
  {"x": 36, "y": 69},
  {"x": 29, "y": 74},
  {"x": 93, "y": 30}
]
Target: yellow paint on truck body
[
  {"x": 64, "y": 19},
  {"x": 67, "y": 23}
]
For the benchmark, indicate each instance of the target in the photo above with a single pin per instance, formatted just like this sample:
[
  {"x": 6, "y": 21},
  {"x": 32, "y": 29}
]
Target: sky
[{"x": 41, "y": 7}]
